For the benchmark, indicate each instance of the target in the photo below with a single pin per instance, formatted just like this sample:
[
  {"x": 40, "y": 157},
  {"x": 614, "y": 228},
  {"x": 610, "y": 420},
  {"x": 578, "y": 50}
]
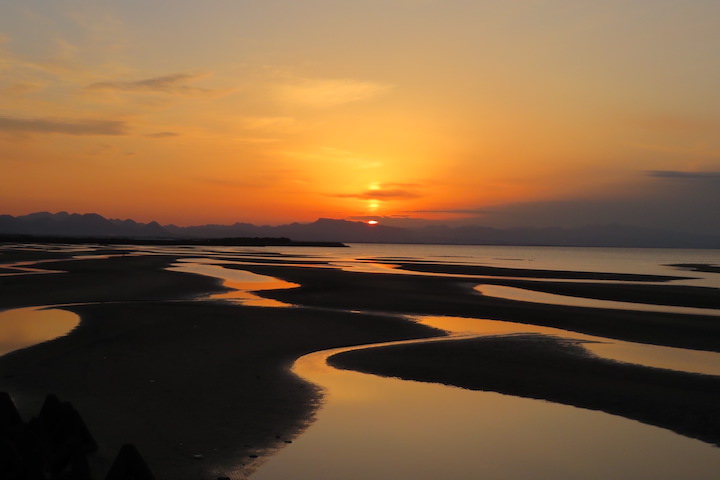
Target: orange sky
[{"x": 268, "y": 112}]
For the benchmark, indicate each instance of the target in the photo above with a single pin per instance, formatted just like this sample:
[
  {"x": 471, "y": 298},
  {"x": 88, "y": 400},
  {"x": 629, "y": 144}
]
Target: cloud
[
  {"x": 175, "y": 84},
  {"x": 400, "y": 185},
  {"x": 162, "y": 135},
  {"x": 683, "y": 201},
  {"x": 391, "y": 191},
  {"x": 329, "y": 92},
  {"x": 464, "y": 211},
  {"x": 381, "y": 217},
  {"x": 66, "y": 127},
  {"x": 22, "y": 88},
  {"x": 674, "y": 174}
]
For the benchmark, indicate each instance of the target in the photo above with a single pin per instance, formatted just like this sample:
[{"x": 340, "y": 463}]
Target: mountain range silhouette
[{"x": 64, "y": 224}]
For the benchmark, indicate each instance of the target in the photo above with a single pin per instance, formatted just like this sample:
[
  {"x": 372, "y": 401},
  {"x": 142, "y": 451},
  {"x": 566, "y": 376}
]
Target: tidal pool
[
  {"x": 23, "y": 327},
  {"x": 242, "y": 283}
]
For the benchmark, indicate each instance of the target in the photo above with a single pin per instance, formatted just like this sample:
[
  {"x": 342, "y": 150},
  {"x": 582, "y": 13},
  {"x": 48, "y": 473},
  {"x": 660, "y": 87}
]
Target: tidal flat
[{"x": 194, "y": 365}]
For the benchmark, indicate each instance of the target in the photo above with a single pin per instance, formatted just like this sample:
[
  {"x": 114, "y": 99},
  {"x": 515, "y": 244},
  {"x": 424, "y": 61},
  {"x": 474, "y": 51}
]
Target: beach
[{"x": 204, "y": 388}]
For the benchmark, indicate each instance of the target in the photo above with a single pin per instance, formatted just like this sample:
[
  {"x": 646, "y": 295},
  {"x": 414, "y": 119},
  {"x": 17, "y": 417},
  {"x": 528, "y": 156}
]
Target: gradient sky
[{"x": 491, "y": 112}]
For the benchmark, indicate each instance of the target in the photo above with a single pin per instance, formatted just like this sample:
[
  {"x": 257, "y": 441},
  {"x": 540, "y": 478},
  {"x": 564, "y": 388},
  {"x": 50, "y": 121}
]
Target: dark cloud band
[
  {"x": 67, "y": 127},
  {"x": 684, "y": 175}
]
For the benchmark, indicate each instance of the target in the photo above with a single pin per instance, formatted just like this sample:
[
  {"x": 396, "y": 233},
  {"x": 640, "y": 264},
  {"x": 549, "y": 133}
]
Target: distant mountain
[
  {"x": 78, "y": 225},
  {"x": 329, "y": 230},
  {"x": 320, "y": 230}
]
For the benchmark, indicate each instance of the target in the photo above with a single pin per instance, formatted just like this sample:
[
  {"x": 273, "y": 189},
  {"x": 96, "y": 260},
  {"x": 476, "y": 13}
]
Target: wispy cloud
[
  {"x": 62, "y": 126},
  {"x": 464, "y": 211},
  {"x": 351, "y": 159},
  {"x": 684, "y": 175},
  {"x": 174, "y": 84},
  {"x": 59, "y": 64},
  {"x": 229, "y": 183},
  {"x": 162, "y": 135},
  {"x": 391, "y": 191},
  {"x": 22, "y": 88},
  {"x": 381, "y": 217},
  {"x": 329, "y": 92}
]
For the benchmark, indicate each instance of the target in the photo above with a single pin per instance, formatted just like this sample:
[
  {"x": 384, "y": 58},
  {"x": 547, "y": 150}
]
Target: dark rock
[
  {"x": 9, "y": 416},
  {"x": 63, "y": 423},
  {"x": 129, "y": 465},
  {"x": 69, "y": 462}
]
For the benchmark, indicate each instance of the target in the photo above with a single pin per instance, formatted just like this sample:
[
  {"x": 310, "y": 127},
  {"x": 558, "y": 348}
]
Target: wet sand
[
  {"x": 534, "y": 273},
  {"x": 698, "y": 267},
  {"x": 179, "y": 378},
  {"x": 455, "y": 296}
]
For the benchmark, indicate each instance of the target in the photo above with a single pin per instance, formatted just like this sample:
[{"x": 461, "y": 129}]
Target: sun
[{"x": 372, "y": 222}]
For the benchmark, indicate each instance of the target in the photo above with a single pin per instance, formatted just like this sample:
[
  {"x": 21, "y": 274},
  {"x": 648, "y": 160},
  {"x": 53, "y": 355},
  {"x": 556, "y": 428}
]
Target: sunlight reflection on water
[
  {"x": 524, "y": 295},
  {"x": 23, "y": 327},
  {"x": 374, "y": 427},
  {"x": 242, "y": 283}
]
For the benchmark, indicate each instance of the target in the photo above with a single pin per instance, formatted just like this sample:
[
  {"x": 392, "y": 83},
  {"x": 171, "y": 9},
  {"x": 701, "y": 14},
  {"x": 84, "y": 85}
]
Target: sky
[{"x": 502, "y": 113}]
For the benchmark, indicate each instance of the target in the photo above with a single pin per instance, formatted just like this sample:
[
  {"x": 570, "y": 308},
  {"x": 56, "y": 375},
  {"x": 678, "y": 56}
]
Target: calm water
[
  {"x": 524, "y": 295},
  {"x": 23, "y": 327}
]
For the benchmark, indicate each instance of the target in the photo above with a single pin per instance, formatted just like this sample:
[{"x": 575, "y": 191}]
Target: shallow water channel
[
  {"x": 241, "y": 283},
  {"x": 524, "y": 295},
  {"x": 374, "y": 427}
]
